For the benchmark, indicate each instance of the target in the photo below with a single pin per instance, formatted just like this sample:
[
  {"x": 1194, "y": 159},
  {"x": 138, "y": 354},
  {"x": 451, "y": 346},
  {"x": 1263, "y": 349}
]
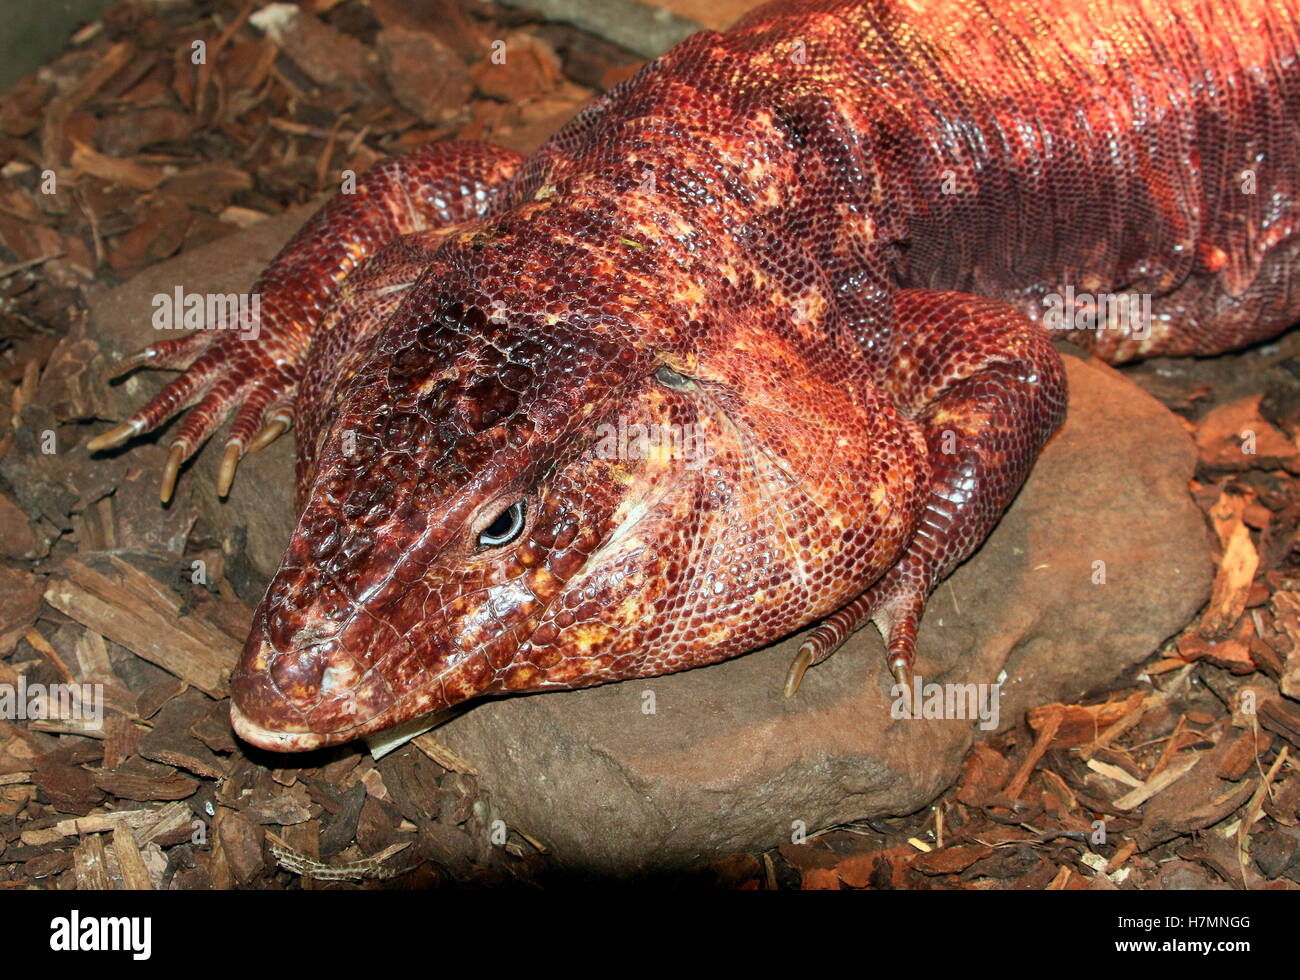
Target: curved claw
[
  {"x": 171, "y": 470},
  {"x": 114, "y": 437},
  {"x": 226, "y": 472},
  {"x": 235, "y": 452},
  {"x": 894, "y": 604},
  {"x": 794, "y": 677},
  {"x": 827, "y": 637},
  {"x": 220, "y": 373},
  {"x": 899, "y": 667},
  {"x": 128, "y": 364},
  {"x": 175, "y": 354},
  {"x": 274, "y": 429}
]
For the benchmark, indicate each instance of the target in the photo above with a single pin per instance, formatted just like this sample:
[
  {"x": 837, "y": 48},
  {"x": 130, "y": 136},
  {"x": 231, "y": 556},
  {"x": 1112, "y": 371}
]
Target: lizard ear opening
[{"x": 669, "y": 378}]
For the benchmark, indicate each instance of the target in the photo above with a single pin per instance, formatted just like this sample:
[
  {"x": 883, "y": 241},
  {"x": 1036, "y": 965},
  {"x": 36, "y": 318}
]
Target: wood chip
[
  {"x": 90, "y": 864},
  {"x": 1236, "y": 437},
  {"x": 129, "y": 607},
  {"x": 1124, "y": 852},
  {"x": 137, "y": 176},
  {"x": 1236, "y": 570},
  {"x": 135, "y": 875},
  {"x": 240, "y": 841},
  {"x": 1176, "y": 769},
  {"x": 1287, "y": 606},
  {"x": 1078, "y": 724},
  {"x": 127, "y": 785},
  {"x": 951, "y": 860},
  {"x": 171, "y": 742},
  {"x": 1052, "y": 722},
  {"x": 442, "y": 754},
  {"x": 1114, "y": 772},
  {"x": 147, "y": 824},
  {"x": 1282, "y": 717}
]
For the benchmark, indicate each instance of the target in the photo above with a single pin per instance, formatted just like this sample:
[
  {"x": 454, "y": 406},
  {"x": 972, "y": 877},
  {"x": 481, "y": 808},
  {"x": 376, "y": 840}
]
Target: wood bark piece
[
  {"x": 283, "y": 810},
  {"x": 213, "y": 728},
  {"x": 240, "y": 840},
  {"x": 90, "y": 865},
  {"x": 166, "y": 825},
  {"x": 130, "y": 862},
  {"x": 134, "y": 609},
  {"x": 1236, "y": 570},
  {"x": 1282, "y": 717},
  {"x": 412, "y": 781},
  {"x": 1052, "y": 722},
  {"x": 1172, "y": 773},
  {"x": 171, "y": 741},
  {"x": 16, "y": 538},
  {"x": 340, "y": 827},
  {"x": 19, "y": 602},
  {"x": 1237, "y": 437},
  {"x": 136, "y": 785},
  {"x": 147, "y": 823},
  {"x": 1287, "y": 607},
  {"x": 951, "y": 860},
  {"x": 68, "y": 787},
  {"x": 1079, "y": 724},
  {"x": 442, "y": 754}
]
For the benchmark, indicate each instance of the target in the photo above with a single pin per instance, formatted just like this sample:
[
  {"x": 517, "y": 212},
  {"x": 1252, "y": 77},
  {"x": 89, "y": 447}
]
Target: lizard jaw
[
  {"x": 274, "y": 741},
  {"x": 291, "y": 737}
]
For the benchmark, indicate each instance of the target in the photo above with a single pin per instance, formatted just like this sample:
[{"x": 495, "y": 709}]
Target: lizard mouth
[
  {"x": 291, "y": 739},
  {"x": 275, "y": 741},
  {"x": 264, "y": 716},
  {"x": 314, "y": 703}
]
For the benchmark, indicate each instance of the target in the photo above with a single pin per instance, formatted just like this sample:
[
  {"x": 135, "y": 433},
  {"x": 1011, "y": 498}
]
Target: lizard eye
[
  {"x": 669, "y": 378},
  {"x": 505, "y": 528}
]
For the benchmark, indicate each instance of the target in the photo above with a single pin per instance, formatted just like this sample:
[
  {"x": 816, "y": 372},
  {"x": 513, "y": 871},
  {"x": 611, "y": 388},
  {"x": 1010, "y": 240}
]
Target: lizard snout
[
  {"x": 308, "y": 696},
  {"x": 263, "y": 715}
]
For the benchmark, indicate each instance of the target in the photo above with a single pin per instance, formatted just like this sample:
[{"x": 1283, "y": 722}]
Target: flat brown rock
[{"x": 724, "y": 762}]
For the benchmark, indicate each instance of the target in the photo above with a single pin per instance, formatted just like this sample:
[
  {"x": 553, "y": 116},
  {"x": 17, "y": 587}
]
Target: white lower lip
[{"x": 274, "y": 741}]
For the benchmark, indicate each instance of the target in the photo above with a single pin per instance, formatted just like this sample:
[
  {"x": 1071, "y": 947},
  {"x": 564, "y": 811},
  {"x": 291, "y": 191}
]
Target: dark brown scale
[{"x": 826, "y": 243}]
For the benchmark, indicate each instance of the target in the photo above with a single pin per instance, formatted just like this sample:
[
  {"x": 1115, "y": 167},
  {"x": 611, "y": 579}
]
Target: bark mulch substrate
[{"x": 1183, "y": 776}]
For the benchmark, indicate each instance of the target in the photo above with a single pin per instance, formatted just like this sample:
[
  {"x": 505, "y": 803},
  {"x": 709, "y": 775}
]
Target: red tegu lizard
[{"x": 823, "y": 250}]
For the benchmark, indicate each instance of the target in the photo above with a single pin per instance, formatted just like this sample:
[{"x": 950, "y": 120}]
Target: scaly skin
[{"x": 823, "y": 240}]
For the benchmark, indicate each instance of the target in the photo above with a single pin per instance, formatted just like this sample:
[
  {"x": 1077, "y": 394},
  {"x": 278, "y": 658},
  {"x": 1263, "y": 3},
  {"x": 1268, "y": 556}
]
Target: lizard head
[{"x": 510, "y": 494}]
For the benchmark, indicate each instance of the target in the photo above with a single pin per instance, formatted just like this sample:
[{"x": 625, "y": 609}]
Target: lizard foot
[
  {"x": 221, "y": 375},
  {"x": 894, "y": 605}
]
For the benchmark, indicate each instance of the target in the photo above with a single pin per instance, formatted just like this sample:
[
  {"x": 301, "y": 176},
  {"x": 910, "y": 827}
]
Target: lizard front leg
[
  {"x": 254, "y": 370},
  {"x": 987, "y": 388}
]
